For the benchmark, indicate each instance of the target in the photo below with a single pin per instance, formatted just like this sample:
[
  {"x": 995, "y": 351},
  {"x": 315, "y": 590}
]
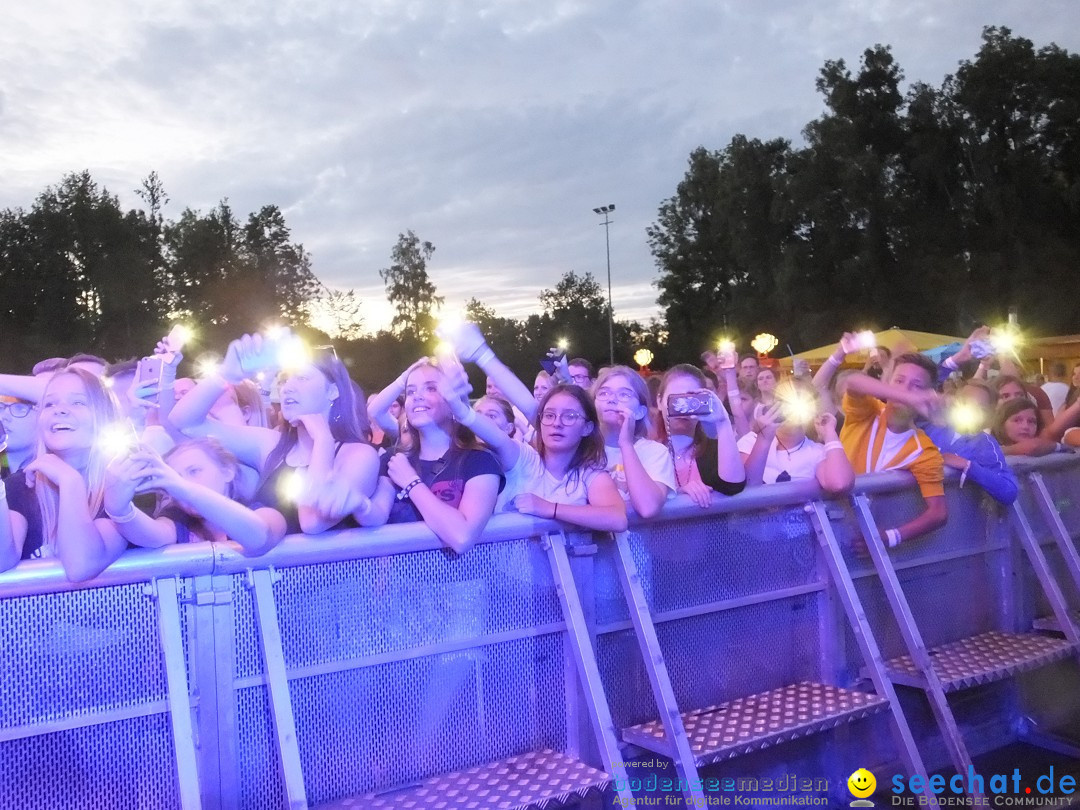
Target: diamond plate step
[
  {"x": 1050, "y": 623},
  {"x": 750, "y": 723},
  {"x": 538, "y": 779},
  {"x": 981, "y": 659}
]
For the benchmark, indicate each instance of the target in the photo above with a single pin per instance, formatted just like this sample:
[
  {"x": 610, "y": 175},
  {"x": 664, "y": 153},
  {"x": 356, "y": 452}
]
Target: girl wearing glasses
[
  {"x": 564, "y": 477},
  {"x": 318, "y": 467},
  {"x": 642, "y": 469},
  {"x": 55, "y": 509}
]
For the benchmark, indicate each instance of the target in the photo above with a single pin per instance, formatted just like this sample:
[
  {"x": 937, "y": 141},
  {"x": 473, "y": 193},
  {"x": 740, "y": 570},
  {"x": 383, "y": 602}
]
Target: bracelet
[
  {"x": 892, "y": 538},
  {"x": 832, "y": 361},
  {"x": 555, "y": 514},
  {"x": 485, "y": 356},
  {"x": 835, "y": 444},
  {"x": 127, "y": 517},
  {"x": 950, "y": 363},
  {"x": 964, "y": 474},
  {"x": 404, "y": 494}
]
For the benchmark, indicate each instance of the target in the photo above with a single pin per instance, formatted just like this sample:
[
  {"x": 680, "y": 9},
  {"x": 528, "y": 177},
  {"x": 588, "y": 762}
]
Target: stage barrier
[{"x": 768, "y": 635}]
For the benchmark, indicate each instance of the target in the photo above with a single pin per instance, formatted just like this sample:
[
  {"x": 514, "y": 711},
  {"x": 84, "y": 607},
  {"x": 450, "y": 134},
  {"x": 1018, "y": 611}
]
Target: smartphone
[
  {"x": 695, "y": 403},
  {"x": 148, "y": 372}
]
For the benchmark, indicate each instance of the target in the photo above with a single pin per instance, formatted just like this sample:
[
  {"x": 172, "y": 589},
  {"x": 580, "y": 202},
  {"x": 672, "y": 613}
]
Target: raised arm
[
  {"x": 379, "y": 404},
  {"x": 471, "y": 347},
  {"x": 754, "y": 461},
  {"x": 454, "y": 387},
  {"x": 20, "y": 386},
  {"x": 834, "y": 472}
]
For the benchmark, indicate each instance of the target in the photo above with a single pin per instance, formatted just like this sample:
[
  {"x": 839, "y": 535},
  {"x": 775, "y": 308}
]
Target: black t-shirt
[
  {"x": 710, "y": 473},
  {"x": 446, "y": 478}
]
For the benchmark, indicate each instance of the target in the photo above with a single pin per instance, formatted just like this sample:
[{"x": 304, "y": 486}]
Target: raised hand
[{"x": 466, "y": 338}]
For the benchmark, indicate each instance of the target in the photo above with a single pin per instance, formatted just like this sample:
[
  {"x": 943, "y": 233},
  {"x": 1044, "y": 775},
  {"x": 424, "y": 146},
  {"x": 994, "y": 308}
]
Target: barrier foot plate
[
  {"x": 1050, "y": 623},
  {"x": 981, "y": 659},
  {"x": 758, "y": 721},
  {"x": 538, "y": 779}
]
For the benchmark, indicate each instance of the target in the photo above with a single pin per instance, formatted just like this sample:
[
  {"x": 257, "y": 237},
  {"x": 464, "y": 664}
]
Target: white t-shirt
[
  {"x": 800, "y": 462},
  {"x": 893, "y": 444},
  {"x": 1056, "y": 393},
  {"x": 655, "y": 458},
  {"x": 530, "y": 475}
]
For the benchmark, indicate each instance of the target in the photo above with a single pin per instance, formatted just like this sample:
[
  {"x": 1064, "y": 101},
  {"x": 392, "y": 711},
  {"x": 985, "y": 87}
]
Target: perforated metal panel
[{"x": 68, "y": 657}]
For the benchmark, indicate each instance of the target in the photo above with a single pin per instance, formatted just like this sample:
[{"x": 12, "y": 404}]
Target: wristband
[
  {"x": 404, "y": 494},
  {"x": 832, "y": 361},
  {"x": 950, "y": 364},
  {"x": 3, "y": 490},
  {"x": 486, "y": 354},
  {"x": 835, "y": 444},
  {"x": 892, "y": 538},
  {"x": 468, "y": 419},
  {"x": 127, "y": 517}
]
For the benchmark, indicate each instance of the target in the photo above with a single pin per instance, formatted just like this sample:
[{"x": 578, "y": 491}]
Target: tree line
[{"x": 936, "y": 209}]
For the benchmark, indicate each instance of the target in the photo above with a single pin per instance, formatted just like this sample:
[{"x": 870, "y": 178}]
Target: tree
[
  {"x": 409, "y": 289},
  {"x": 337, "y": 313}
]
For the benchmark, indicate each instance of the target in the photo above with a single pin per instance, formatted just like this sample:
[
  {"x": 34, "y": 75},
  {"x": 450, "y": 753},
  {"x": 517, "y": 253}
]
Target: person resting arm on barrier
[
  {"x": 965, "y": 445},
  {"x": 54, "y": 508},
  {"x": 196, "y": 482},
  {"x": 642, "y": 469},
  {"x": 1019, "y": 428},
  {"x": 780, "y": 450},
  {"x": 564, "y": 477},
  {"x": 440, "y": 473},
  {"x": 702, "y": 465},
  {"x": 879, "y": 436}
]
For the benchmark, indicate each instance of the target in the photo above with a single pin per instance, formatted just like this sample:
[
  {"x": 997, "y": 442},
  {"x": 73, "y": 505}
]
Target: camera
[
  {"x": 149, "y": 370},
  {"x": 696, "y": 403}
]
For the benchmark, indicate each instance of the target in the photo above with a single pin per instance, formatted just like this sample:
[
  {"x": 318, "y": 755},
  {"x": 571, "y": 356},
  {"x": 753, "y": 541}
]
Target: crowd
[{"x": 277, "y": 440}]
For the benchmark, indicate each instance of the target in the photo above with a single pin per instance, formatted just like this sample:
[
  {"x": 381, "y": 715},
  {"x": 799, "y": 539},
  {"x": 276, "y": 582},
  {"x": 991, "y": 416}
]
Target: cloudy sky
[{"x": 491, "y": 128}]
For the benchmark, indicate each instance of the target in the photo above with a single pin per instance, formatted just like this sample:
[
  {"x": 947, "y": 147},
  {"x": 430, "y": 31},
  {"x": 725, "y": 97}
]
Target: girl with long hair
[
  {"x": 55, "y": 509},
  {"x": 642, "y": 468},
  {"x": 196, "y": 483},
  {"x": 703, "y": 465},
  {"x": 316, "y": 469},
  {"x": 564, "y": 477},
  {"x": 440, "y": 473}
]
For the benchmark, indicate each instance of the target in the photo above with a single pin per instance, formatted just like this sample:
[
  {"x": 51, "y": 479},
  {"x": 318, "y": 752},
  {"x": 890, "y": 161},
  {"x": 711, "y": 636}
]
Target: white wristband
[
  {"x": 486, "y": 354},
  {"x": 964, "y": 474},
  {"x": 832, "y": 361},
  {"x": 3, "y": 490},
  {"x": 892, "y": 538},
  {"x": 127, "y": 517},
  {"x": 833, "y": 445},
  {"x": 950, "y": 363}
]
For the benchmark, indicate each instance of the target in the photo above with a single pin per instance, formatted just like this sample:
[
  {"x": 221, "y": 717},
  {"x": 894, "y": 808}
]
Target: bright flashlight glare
[
  {"x": 178, "y": 337},
  {"x": 799, "y": 408},
  {"x": 563, "y": 344},
  {"x": 107, "y": 382},
  {"x": 726, "y": 346},
  {"x": 449, "y": 325},
  {"x": 966, "y": 417},
  {"x": 293, "y": 353},
  {"x": 207, "y": 366},
  {"x": 275, "y": 332},
  {"x": 116, "y": 439},
  {"x": 444, "y": 349},
  {"x": 1005, "y": 342},
  {"x": 291, "y": 487},
  {"x": 865, "y": 339}
]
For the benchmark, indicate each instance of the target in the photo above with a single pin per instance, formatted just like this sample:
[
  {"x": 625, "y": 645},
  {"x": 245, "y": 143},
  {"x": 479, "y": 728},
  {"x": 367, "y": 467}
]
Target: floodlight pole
[{"x": 606, "y": 210}]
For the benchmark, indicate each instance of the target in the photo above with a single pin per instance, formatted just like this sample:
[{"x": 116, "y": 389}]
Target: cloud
[{"x": 491, "y": 129}]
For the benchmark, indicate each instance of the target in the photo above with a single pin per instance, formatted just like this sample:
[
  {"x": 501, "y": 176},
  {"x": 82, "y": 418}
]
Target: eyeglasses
[
  {"x": 623, "y": 395},
  {"x": 580, "y": 379},
  {"x": 17, "y": 409},
  {"x": 566, "y": 418}
]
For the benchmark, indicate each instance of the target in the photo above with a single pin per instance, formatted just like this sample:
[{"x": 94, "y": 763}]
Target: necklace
[
  {"x": 791, "y": 450},
  {"x": 685, "y": 457}
]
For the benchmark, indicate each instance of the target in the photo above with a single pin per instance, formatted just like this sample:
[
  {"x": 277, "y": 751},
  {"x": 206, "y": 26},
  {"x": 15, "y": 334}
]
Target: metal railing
[{"x": 400, "y": 660}]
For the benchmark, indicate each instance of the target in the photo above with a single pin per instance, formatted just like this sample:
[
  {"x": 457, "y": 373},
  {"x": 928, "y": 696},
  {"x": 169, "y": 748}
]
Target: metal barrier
[{"x": 357, "y": 662}]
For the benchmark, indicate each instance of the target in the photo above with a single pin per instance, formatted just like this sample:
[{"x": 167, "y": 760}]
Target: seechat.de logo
[{"x": 861, "y": 784}]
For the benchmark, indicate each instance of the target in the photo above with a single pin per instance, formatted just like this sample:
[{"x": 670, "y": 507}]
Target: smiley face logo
[{"x": 861, "y": 783}]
